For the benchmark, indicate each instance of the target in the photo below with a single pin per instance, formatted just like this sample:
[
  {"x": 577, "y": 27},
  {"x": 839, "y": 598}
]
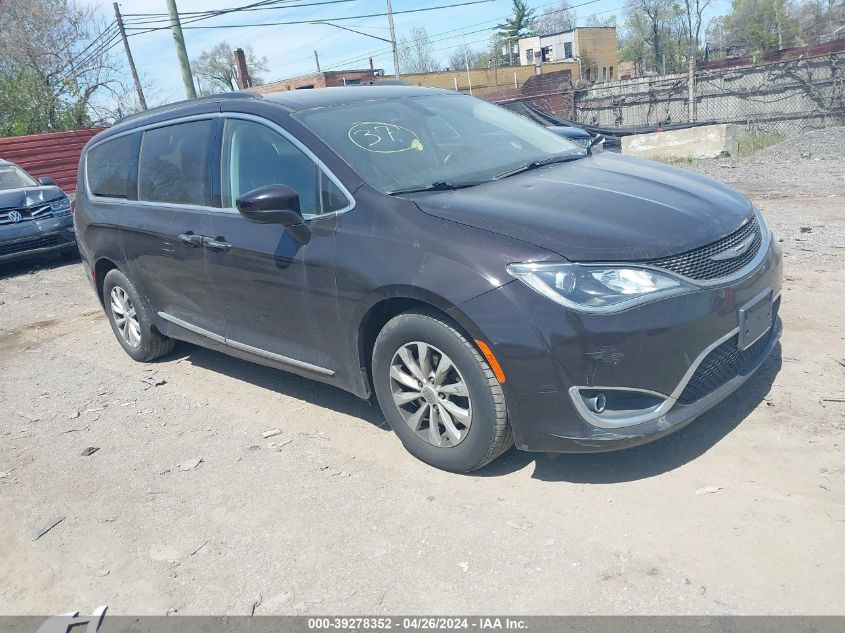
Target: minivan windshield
[
  {"x": 12, "y": 177},
  {"x": 434, "y": 142}
]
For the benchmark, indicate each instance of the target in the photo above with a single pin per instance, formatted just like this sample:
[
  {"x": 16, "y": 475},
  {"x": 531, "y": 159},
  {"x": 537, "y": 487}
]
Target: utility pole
[
  {"x": 317, "y": 59},
  {"x": 466, "y": 63},
  {"x": 138, "y": 88},
  {"x": 393, "y": 36},
  {"x": 691, "y": 86},
  {"x": 181, "y": 52},
  {"x": 496, "y": 68}
]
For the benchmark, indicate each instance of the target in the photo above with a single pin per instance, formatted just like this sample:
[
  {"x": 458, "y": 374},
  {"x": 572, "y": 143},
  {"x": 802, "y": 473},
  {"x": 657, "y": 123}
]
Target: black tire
[
  {"x": 151, "y": 344},
  {"x": 488, "y": 435}
]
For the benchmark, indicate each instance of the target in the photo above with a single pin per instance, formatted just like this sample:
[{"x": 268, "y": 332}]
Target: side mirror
[
  {"x": 46, "y": 181},
  {"x": 275, "y": 204},
  {"x": 597, "y": 141}
]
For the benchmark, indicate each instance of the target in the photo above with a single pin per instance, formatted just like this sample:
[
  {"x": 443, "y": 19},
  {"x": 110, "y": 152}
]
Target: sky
[{"x": 289, "y": 49}]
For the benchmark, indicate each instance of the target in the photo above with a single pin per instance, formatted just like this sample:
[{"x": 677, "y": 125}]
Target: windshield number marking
[{"x": 389, "y": 137}]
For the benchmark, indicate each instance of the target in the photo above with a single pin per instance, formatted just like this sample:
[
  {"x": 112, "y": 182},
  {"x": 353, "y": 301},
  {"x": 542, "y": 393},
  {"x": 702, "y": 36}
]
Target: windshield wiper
[
  {"x": 565, "y": 158},
  {"x": 440, "y": 185}
]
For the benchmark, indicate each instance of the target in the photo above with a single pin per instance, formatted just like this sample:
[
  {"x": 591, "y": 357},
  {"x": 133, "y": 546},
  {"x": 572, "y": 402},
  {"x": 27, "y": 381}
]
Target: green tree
[
  {"x": 518, "y": 25},
  {"x": 652, "y": 34},
  {"x": 56, "y": 72},
  {"x": 214, "y": 70},
  {"x": 758, "y": 25}
]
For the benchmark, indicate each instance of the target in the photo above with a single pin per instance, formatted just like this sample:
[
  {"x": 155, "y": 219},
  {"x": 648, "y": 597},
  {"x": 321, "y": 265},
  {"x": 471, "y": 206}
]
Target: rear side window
[
  {"x": 107, "y": 166},
  {"x": 173, "y": 166}
]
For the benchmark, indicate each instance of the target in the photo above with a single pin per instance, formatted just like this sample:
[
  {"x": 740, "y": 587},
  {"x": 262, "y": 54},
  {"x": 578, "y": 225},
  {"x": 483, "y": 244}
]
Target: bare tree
[
  {"x": 458, "y": 61},
  {"x": 214, "y": 70},
  {"x": 416, "y": 54},
  {"x": 694, "y": 12},
  {"x": 555, "y": 19}
]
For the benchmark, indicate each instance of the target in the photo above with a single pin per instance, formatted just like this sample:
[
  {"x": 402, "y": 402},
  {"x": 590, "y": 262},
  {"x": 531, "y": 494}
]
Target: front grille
[
  {"x": 723, "y": 363},
  {"x": 697, "y": 263},
  {"x": 32, "y": 213},
  {"x": 28, "y": 245}
]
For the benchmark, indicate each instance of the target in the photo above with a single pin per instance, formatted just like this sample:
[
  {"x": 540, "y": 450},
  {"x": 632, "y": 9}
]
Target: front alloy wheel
[
  {"x": 438, "y": 392},
  {"x": 431, "y": 394}
]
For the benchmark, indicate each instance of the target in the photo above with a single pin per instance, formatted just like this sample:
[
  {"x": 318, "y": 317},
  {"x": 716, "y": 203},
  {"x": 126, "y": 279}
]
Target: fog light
[{"x": 597, "y": 403}]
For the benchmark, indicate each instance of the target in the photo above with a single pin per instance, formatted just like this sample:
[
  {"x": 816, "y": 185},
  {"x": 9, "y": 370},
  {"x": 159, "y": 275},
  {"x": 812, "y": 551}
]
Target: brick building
[{"x": 327, "y": 79}]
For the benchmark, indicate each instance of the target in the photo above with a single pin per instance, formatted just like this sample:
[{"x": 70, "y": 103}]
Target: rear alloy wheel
[
  {"x": 125, "y": 317},
  {"x": 129, "y": 320},
  {"x": 438, "y": 393}
]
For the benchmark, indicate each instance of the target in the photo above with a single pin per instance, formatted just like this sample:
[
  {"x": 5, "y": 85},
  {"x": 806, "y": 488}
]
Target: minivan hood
[
  {"x": 599, "y": 208},
  {"x": 28, "y": 197}
]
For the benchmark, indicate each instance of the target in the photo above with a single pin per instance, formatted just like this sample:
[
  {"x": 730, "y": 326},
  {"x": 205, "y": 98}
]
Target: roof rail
[{"x": 169, "y": 106}]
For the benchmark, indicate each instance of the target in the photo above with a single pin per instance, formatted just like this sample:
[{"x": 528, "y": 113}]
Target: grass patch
[
  {"x": 754, "y": 143},
  {"x": 675, "y": 160}
]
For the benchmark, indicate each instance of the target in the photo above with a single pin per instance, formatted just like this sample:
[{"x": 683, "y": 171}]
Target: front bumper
[
  {"x": 35, "y": 237},
  {"x": 668, "y": 348}
]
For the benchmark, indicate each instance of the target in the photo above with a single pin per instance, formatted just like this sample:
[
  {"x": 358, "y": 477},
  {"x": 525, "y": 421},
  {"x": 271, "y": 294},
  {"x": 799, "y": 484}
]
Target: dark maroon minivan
[{"x": 486, "y": 280}]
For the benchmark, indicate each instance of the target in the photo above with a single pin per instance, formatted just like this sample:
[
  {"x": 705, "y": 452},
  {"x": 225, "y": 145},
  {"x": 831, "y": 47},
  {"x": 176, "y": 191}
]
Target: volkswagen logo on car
[{"x": 15, "y": 216}]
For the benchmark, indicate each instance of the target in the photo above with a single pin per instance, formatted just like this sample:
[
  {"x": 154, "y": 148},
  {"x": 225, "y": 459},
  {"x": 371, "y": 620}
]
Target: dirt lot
[{"x": 741, "y": 512}]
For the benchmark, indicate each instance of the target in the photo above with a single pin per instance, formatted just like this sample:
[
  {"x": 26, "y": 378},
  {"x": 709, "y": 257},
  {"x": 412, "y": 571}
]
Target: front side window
[
  {"x": 13, "y": 177},
  {"x": 107, "y": 167},
  {"x": 174, "y": 164},
  {"x": 255, "y": 156},
  {"x": 401, "y": 144}
]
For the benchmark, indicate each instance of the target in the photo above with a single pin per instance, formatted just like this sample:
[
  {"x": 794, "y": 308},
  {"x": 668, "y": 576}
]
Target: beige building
[
  {"x": 481, "y": 81},
  {"x": 593, "y": 49}
]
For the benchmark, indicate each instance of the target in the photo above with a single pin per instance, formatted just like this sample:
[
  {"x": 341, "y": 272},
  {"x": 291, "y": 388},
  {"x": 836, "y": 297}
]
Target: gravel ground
[
  {"x": 810, "y": 165},
  {"x": 185, "y": 508}
]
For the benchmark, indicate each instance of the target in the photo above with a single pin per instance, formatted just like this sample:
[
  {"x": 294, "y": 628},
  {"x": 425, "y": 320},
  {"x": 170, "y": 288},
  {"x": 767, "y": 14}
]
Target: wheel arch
[
  {"x": 396, "y": 301},
  {"x": 101, "y": 269}
]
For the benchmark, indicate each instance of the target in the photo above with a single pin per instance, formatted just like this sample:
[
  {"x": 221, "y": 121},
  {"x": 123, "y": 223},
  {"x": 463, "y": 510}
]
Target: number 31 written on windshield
[{"x": 384, "y": 138}]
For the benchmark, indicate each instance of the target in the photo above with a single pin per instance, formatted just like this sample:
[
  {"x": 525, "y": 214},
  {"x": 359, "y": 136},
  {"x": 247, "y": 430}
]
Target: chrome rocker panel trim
[{"x": 244, "y": 347}]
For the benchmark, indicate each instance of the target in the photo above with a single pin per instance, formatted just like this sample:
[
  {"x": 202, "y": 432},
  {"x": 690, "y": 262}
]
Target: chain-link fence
[{"x": 781, "y": 97}]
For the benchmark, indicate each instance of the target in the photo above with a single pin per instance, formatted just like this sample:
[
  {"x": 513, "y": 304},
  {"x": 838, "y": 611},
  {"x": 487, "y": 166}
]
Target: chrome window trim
[
  {"x": 244, "y": 347},
  {"x": 141, "y": 128},
  {"x": 210, "y": 116},
  {"x": 300, "y": 146}
]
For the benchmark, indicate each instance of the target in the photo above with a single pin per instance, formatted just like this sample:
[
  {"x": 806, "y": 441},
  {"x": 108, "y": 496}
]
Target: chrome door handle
[
  {"x": 216, "y": 245},
  {"x": 191, "y": 239}
]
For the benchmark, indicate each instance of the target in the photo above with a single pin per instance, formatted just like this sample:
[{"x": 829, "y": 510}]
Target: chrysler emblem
[
  {"x": 734, "y": 251},
  {"x": 15, "y": 216}
]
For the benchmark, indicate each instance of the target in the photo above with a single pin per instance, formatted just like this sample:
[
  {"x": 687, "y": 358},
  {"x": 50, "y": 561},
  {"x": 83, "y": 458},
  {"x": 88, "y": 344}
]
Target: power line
[
  {"x": 384, "y": 52},
  {"x": 336, "y": 19}
]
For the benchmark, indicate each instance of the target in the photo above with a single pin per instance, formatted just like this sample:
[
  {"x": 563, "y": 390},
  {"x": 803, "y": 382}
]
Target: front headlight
[
  {"x": 60, "y": 207},
  {"x": 598, "y": 289}
]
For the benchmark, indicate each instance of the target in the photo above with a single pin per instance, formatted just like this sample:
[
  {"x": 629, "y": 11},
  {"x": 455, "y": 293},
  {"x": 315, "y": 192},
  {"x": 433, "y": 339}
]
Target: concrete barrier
[{"x": 707, "y": 141}]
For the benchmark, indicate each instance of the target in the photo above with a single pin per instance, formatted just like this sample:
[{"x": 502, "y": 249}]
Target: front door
[
  {"x": 162, "y": 231},
  {"x": 279, "y": 296}
]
